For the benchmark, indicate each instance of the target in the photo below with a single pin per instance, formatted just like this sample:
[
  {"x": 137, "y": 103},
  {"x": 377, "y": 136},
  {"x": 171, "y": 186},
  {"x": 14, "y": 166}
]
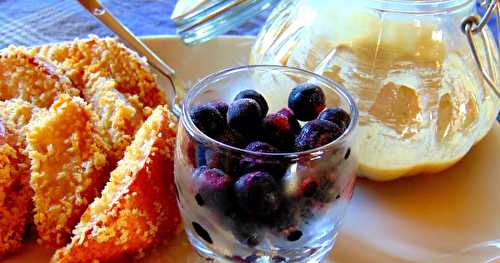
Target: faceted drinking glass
[{"x": 311, "y": 191}]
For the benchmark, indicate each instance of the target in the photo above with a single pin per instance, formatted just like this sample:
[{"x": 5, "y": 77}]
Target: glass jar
[
  {"x": 423, "y": 99},
  {"x": 247, "y": 206},
  {"x": 198, "y": 21}
]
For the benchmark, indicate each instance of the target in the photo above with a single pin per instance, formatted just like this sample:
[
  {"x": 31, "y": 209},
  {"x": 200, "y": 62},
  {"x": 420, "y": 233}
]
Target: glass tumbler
[{"x": 304, "y": 201}]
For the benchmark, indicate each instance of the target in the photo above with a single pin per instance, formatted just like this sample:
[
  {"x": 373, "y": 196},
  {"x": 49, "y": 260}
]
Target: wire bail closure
[{"x": 474, "y": 25}]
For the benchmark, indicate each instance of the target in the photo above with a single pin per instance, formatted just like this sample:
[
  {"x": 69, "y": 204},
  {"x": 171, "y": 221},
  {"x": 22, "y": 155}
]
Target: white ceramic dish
[{"x": 427, "y": 218}]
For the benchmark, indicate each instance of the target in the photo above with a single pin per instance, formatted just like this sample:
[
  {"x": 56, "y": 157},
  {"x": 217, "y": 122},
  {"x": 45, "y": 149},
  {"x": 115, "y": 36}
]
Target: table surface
[
  {"x": 415, "y": 219},
  {"x": 35, "y": 22}
]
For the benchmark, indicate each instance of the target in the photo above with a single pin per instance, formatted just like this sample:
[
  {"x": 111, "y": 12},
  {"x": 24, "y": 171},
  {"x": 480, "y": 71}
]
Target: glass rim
[
  {"x": 203, "y": 83},
  {"x": 420, "y": 7}
]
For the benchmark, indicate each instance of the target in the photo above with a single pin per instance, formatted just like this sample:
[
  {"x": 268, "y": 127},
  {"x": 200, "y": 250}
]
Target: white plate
[{"x": 417, "y": 219}]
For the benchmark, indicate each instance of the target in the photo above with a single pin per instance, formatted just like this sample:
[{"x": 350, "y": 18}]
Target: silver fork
[{"x": 95, "y": 8}]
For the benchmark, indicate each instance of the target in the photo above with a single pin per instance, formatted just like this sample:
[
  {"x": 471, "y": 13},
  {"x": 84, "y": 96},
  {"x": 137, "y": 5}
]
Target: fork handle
[{"x": 95, "y": 8}]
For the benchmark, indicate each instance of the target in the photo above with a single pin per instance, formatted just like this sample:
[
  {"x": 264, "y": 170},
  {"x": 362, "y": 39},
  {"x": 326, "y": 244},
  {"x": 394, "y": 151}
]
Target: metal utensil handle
[
  {"x": 474, "y": 25},
  {"x": 102, "y": 14}
]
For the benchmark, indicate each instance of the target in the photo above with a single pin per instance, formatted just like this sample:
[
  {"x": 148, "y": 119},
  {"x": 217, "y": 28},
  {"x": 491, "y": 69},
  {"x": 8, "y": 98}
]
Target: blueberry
[
  {"x": 316, "y": 133},
  {"x": 214, "y": 188},
  {"x": 193, "y": 153},
  {"x": 306, "y": 101},
  {"x": 257, "y": 193},
  {"x": 279, "y": 259},
  {"x": 251, "y": 163},
  {"x": 199, "y": 170},
  {"x": 208, "y": 119},
  {"x": 306, "y": 207},
  {"x": 238, "y": 259},
  {"x": 317, "y": 183},
  {"x": 220, "y": 105},
  {"x": 261, "y": 147},
  {"x": 337, "y": 116},
  {"x": 286, "y": 220},
  {"x": 286, "y": 216},
  {"x": 309, "y": 186},
  {"x": 276, "y": 129},
  {"x": 247, "y": 233},
  {"x": 254, "y": 95},
  {"x": 232, "y": 137},
  {"x": 200, "y": 155},
  {"x": 325, "y": 189},
  {"x": 294, "y": 123},
  {"x": 223, "y": 160},
  {"x": 244, "y": 115},
  {"x": 252, "y": 259}
]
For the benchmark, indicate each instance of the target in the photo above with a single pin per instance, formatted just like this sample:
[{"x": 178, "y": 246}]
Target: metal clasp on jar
[{"x": 474, "y": 25}]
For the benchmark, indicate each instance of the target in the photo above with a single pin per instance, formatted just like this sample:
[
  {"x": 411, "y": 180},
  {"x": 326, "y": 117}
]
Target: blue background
[{"x": 33, "y": 22}]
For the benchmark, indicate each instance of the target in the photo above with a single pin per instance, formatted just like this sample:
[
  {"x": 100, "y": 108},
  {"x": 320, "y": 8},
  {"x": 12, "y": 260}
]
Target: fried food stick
[
  {"x": 114, "y": 80},
  {"x": 81, "y": 60},
  {"x": 68, "y": 167},
  {"x": 25, "y": 76},
  {"x": 137, "y": 208},
  {"x": 119, "y": 117},
  {"x": 15, "y": 192}
]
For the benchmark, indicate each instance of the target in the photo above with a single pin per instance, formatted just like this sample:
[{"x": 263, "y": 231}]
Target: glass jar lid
[{"x": 200, "y": 20}]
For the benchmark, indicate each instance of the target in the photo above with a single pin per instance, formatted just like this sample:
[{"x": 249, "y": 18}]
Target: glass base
[{"x": 305, "y": 255}]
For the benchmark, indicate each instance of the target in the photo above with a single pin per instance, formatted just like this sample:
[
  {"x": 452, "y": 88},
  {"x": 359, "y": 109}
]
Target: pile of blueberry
[{"x": 247, "y": 188}]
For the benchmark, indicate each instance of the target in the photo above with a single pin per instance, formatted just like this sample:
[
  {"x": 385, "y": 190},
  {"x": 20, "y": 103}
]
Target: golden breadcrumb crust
[
  {"x": 119, "y": 117},
  {"x": 68, "y": 167},
  {"x": 25, "y": 76},
  {"x": 114, "y": 80},
  {"x": 73, "y": 145},
  {"x": 137, "y": 208},
  {"x": 17, "y": 113},
  {"x": 15, "y": 192},
  {"x": 107, "y": 58}
]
